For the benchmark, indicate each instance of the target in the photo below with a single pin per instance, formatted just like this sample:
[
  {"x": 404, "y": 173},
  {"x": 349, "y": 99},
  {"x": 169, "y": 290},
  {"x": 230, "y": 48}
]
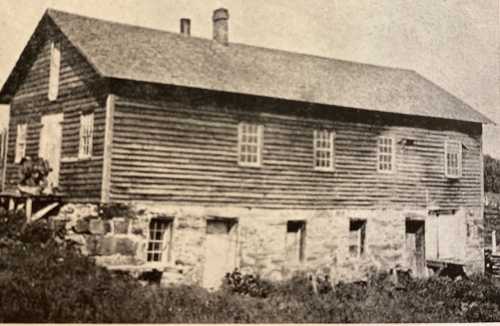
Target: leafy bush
[{"x": 247, "y": 284}]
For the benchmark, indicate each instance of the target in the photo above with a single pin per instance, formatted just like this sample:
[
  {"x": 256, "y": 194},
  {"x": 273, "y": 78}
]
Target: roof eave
[{"x": 483, "y": 120}]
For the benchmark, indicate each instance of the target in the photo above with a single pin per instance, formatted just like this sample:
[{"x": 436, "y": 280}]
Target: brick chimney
[
  {"x": 221, "y": 31},
  {"x": 185, "y": 26}
]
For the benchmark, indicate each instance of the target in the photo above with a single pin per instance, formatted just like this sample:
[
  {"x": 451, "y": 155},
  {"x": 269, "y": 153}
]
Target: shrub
[{"x": 246, "y": 284}]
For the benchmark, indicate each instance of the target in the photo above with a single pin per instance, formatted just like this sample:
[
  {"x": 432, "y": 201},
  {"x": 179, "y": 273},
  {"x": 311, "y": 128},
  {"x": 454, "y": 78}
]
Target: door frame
[
  {"x": 420, "y": 263},
  {"x": 234, "y": 236},
  {"x": 40, "y": 141}
]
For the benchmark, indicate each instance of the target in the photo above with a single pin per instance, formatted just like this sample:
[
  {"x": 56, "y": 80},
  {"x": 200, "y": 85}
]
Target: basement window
[
  {"x": 357, "y": 235},
  {"x": 453, "y": 159},
  {"x": 22, "y": 129},
  {"x": 295, "y": 241},
  {"x": 324, "y": 150},
  {"x": 55, "y": 65},
  {"x": 386, "y": 154},
  {"x": 86, "y": 135},
  {"x": 159, "y": 242},
  {"x": 250, "y": 144}
]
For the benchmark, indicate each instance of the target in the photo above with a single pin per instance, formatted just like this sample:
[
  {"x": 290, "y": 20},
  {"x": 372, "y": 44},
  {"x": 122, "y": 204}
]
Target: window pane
[
  {"x": 156, "y": 244},
  {"x": 323, "y": 149},
  {"x": 249, "y": 144},
  {"x": 86, "y": 134},
  {"x": 385, "y": 154}
]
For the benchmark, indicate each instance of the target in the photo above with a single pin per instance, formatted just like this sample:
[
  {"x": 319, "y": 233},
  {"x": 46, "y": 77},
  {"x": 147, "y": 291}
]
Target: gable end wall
[{"x": 80, "y": 89}]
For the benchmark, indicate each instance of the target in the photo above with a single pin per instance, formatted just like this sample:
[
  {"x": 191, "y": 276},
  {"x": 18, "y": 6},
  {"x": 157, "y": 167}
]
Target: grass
[{"x": 43, "y": 279}]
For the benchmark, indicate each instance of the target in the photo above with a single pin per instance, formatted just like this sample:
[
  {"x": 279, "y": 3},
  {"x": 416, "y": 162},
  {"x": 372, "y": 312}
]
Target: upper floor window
[
  {"x": 55, "y": 64},
  {"x": 250, "y": 144},
  {"x": 22, "y": 129},
  {"x": 386, "y": 154},
  {"x": 86, "y": 135},
  {"x": 453, "y": 159},
  {"x": 324, "y": 150}
]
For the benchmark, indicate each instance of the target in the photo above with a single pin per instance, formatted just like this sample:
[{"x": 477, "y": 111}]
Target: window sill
[
  {"x": 249, "y": 165},
  {"x": 155, "y": 265},
  {"x": 79, "y": 159},
  {"x": 324, "y": 170}
]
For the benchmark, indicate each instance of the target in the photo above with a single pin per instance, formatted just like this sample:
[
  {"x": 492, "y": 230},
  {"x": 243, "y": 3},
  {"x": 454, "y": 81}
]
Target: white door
[
  {"x": 220, "y": 254},
  {"x": 452, "y": 236},
  {"x": 50, "y": 145}
]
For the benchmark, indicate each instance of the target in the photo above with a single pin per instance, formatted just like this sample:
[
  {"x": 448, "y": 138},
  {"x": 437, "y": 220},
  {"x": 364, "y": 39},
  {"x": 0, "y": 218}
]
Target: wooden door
[
  {"x": 452, "y": 236},
  {"x": 415, "y": 246},
  {"x": 220, "y": 254},
  {"x": 50, "y": 145}
]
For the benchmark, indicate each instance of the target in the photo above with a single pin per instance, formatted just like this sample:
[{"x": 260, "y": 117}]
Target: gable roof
[{"x": 141, "y": 54}]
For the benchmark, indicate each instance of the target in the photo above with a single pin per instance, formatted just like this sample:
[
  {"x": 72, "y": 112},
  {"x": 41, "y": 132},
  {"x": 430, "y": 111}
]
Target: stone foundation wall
[{"x": 120, "y": 242}]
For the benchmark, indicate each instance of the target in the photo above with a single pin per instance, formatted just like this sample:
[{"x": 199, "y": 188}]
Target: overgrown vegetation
[
  {"x": 43, "y": 279},
  {"x": 491, "y": 174}
]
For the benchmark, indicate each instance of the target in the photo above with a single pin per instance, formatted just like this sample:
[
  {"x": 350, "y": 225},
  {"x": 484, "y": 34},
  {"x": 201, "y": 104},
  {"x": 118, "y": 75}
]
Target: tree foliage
[{"x": 491, "y": 174}]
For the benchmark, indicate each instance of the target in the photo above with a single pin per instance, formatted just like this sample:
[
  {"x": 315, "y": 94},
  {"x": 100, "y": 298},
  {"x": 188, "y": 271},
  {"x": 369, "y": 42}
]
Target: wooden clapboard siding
[
  {"x": 80, "y": 89},
  {"x": 170, "y": 150}
]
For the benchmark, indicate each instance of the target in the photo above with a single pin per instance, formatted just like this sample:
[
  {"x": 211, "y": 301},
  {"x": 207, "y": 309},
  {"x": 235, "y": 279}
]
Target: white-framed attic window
[
  {"x": 86, "y": 135},
  {"x": 250, "y": 144},
  {"x": 22, "y": 131},
  {"x": 324, "y": 150},
  {"x": 453, "y": 159},
  {"x": 55, "y": 67},
  {"x": 386, "y": 154}
]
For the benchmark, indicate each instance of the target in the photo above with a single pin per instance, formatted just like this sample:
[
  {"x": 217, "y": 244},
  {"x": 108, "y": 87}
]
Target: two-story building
[{"x": 250, "y": 157}]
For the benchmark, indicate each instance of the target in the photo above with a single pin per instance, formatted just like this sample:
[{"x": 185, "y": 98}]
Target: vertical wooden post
[
  {"x": 29, "y": 209},
  {"x": 108, "y": 142},
  {"x": 493, "y": 242},
  {"x": 12, "y": 204},
  {"x": 4, "y": 161}
]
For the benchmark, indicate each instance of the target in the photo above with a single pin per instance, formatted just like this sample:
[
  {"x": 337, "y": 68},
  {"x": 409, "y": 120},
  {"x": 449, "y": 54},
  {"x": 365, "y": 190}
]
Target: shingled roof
[{"x": 129, "y": 52}]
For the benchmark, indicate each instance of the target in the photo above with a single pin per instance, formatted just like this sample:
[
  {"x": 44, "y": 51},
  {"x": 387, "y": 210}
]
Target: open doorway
[
  {"x": 220, "y": 251},
  {"x": 415, "y": 246}
]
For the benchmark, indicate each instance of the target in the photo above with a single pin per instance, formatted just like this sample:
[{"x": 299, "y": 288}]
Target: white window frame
[
  {"x": 21, "y": 137},
  {"x": 318, "y": 145},
  {"x": 86, "y": 135},
  {"x": 382, "y": 154},
  {"x": 448, "y": 174},
  {"x": 243, "y": 133},
  {"x": 159, "y": 246},
  {"x": 55, "y": 67}
]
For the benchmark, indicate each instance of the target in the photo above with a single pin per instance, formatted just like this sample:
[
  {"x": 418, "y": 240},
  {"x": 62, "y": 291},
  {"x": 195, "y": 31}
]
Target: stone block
[
  {"x": 92, "y": 244},
  {"x": 120, "y": 225},
  {"x": 57, "y": 224},
  {"x": 107, "y": 227},
  {"x": 106, "y": 246},
  {"x": 116, "y": 260},
  {"x": 125, "y": 247},
  {"x": 82, "y": 226},
  {"x": 96, "y": 226}
]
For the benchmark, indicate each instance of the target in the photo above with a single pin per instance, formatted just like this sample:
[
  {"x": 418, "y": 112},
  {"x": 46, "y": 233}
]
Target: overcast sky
[{"x": 454, "y": 43}]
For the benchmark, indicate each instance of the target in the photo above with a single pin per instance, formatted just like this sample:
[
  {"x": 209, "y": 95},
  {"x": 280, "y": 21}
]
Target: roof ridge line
[{"x": 208, "y": 40}]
